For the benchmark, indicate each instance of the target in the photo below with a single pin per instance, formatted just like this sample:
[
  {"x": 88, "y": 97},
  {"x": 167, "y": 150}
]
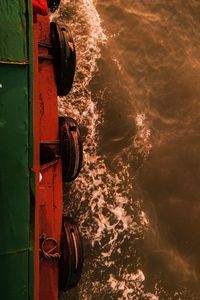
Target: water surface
[{"x": 136, "y": 96}]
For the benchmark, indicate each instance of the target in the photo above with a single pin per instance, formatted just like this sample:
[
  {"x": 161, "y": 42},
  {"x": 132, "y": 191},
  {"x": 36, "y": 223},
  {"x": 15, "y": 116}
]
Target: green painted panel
[
  {"x": 13, "y": 286},
  {"x": 12, "y": 29},
  {"x": 14, "y": 174},
  {"x": 16, "y": 150}
]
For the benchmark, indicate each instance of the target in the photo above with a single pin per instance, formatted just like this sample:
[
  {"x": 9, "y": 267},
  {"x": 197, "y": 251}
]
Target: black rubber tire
[
  {"x": 72, "y": 256},
  {"x": 53, "y": 5},
  {"x": 71, "y": 148},
  {"x": 64, "y": 53},
  {"x": 46, "y": 154}
]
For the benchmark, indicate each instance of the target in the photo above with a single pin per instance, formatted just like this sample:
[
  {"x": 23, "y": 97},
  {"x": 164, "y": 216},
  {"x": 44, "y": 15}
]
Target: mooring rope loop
[{"x": 48, "y": 253}]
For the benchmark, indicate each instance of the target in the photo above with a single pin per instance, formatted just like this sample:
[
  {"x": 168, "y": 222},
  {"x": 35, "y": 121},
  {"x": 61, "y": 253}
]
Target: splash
[
  {"x": 100, "y": 200},
  {"x": 132, "y": 284},
  {"x": 142, "y": 138}
]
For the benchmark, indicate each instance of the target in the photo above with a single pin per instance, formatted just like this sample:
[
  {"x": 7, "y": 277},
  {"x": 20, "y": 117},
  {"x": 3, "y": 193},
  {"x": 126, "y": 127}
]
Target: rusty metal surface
[{"x": 50, "y": 197}]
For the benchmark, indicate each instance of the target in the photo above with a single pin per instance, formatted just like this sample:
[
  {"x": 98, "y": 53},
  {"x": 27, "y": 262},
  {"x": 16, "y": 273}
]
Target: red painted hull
[{"x": 48, "y": 206}]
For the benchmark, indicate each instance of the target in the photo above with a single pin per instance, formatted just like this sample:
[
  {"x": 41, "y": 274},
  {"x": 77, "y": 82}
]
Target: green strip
[
  {"x": 14, "y": 252},
  {"x": 16, "y": 151}
]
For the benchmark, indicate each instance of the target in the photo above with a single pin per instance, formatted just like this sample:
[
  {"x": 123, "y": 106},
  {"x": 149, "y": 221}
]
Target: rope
[{"x": 48, "y": 253}]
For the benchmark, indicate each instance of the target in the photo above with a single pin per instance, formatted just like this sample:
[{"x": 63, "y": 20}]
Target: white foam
[
  {"x": 142, "y": 138},
  {"x": 131, "y": 284},
  {"x": 100, "y": 198}
]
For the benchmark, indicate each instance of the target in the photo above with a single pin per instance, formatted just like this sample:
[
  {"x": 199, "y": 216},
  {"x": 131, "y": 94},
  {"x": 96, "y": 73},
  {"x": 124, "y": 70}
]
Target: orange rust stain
[{"x": 49, "y": 210}]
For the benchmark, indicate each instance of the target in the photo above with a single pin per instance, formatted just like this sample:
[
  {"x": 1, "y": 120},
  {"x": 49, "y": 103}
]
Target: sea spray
[{"x": 100, "y": 200}]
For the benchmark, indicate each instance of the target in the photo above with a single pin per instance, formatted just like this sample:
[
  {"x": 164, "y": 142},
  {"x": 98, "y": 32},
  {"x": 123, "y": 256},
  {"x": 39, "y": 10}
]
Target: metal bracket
[
  {"x": 45, "y": 45},
  {"x": 45, "y": 57},
  {"x": 54, "y": 142}
]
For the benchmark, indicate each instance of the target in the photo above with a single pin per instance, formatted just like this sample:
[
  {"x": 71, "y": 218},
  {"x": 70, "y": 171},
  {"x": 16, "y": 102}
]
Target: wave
[{"x": 102, "y": 201}]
